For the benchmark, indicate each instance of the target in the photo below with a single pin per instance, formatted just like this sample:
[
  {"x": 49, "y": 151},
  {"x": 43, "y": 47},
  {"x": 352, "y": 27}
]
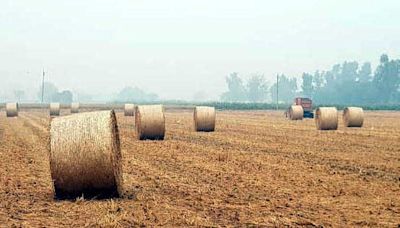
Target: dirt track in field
[{"x": 256, "y": 169}]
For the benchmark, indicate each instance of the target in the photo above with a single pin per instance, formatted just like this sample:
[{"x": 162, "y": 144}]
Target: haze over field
[{"x": 178, "y": 48}]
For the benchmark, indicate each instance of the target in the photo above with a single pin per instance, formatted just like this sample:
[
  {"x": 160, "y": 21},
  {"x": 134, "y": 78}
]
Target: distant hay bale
[
  {"x": 296, "y": 112},
  {"x": 353, "y": 117},
  {"x": 129, "y": 109},
  {"x": 326, "y": 118},
  {"x": 75, "y": 108},
  {"x": 12, "y": 109},
  {"x": 85, "y": 155},
  {"x": 150, "y": 122},
  {"x": 54, "y": 109},
  {"x": 204, "y": 118}
]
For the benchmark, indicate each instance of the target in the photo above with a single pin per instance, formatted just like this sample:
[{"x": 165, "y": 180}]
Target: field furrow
[{"x": 257, "y": 169}]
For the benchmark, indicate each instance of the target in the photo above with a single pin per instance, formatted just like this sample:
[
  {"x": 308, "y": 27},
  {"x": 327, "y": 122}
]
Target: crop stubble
[{"x": 256, "y": 169}]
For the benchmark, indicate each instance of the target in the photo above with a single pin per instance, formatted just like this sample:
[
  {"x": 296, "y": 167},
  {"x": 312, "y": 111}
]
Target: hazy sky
[{"x": 178, "y": 47}]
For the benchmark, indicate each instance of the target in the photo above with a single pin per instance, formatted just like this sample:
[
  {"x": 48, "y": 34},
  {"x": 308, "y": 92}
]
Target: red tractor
[{"x": 306, "y": 103}]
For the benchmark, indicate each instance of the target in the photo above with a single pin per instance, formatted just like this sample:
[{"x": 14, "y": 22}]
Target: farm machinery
[{"x": 306, "y": 104}]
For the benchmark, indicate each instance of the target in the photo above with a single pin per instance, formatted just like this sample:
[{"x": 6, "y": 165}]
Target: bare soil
[{"x": 257, "y": 169}]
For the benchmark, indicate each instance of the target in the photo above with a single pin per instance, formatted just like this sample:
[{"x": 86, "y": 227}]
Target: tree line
[
  {"x": 51, "y": 93},
  {"x": 346, "y": 83}
]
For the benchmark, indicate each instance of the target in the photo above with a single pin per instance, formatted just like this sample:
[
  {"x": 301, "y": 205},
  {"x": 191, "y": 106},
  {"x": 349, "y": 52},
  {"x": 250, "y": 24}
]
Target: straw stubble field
[{"x": 256, "y": 169}]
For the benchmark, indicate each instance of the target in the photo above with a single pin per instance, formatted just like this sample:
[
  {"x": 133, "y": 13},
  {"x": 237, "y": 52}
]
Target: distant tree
[
  {"x": 236, "y": 89},
  {"x": 348, "y": 72},
  {"x": 49, "y": 91},
  {"x": 347, "y": 83},
  {"x": 151, "y": 97},
  {"x": 307, "y": 85},
  {"x": 365, "y": 73},
  {"x": 384, "y": 58},
  {"x": 318, "y": 80},
  {"x": 387, "y": 79},
  {"x": 83, "y": 97},
  {"x": 130, "y": 94},
  {"x": 65, "y": 97},
  {"x": 287, "y": 89},
  {"x": 19, "y": 94},
  {"x": 338, "y": 85},
  {"x": 257, "y": 88},
  {"x": 199, "y": 96},
  {"x": 332, "y": 76}
]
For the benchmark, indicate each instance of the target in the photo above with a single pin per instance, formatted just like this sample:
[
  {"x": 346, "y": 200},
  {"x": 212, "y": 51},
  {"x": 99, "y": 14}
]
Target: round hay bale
[
  {"x": 296, "y": 112},
  {"x": 129, "y": 109},
  {"x": 85, "y": 155},
  {"x": 75, "y": 108},
  {"x": 353, "y": 117},
  {"x": 12, "y": 109},
  {"x": 150, "y": 122},
  {"x": 54, "y": 109},
  {"x": 326, "y": 118},
  {"x": 204, "y": 118}
]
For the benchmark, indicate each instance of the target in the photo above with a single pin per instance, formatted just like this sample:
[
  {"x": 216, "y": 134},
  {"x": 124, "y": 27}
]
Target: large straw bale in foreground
[
  {"x": 353, "y": 117},
  {"x": 204, "y": 118},
  {"x": 54, "y": 109},
  {"x": 12, "y": 109},
  {"x": 150, "y": 122},
  {"x": 75, "y": 107},
  {"x": 296, "y": 112},
  {"x": 85, "y": 156},
  {"x": 129, "y": 109},
  {"x": 326, "y": 118}
]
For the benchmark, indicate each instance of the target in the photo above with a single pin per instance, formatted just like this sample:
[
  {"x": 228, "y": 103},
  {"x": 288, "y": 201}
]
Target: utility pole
[
  {"x": 277, "y": 91},
  {"x": 43, "y": 86}
]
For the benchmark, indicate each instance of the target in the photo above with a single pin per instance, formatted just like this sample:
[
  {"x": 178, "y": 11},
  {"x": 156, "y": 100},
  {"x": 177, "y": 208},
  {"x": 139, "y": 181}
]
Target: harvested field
[{"x": 258, "y": 168}]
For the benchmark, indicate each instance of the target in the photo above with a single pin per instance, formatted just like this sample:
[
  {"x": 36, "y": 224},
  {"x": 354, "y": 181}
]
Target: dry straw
[
  {"x": 12, "y": 109},
  {"x": 204, "y": 118},
  {"x": 150, "y": 122},
  {"x": 353, "y": 117},
  {"x": 129, "y": 109},
  {"x": 75, "y": 108},
  {"x": 54, "y": 109},
  {"x": 296, "y": 112},
  {"x": 85, "y": 156},
  {"x": 326, "y": 118}
]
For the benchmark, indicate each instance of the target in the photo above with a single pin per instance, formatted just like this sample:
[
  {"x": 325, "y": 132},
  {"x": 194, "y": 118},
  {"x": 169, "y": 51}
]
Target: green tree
[
  {"x": 200, "y": 96},
  {"x": 338, "y": 85},
  {"x": 348, "y": 83},
  {"x": 287, "y": 89},
  {"x": 307, "y": 85},
  {"x": 365, "y": 73},
  {"x": 130, "y": 94},
  {"x": 318, "y": 80},
  {"x": 49, "y": 91},
  {"x": 19, "y": 94},
  {"x": 236, "y": 89},
  {"x": 65, "y": 97},
  {"x": 257, "y": 88},
  {"x": 387, "y": 79},
  {"x": 348, "y": 72}
]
